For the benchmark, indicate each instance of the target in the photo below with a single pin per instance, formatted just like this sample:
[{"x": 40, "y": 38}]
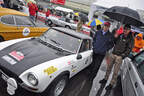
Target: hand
[
  {"x": 116, "y": 35},
  {"x": 141, "y": 49}
]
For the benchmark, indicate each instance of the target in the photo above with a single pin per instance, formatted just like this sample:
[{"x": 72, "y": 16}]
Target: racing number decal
[
  {"x": 26, "y": 31},
  {"x": 50, "y": 70}
]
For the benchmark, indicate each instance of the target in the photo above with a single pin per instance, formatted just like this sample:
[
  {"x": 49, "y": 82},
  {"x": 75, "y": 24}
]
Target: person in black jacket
[
  {"x": 93, "y": 30},
  {"x": 102, "y": 42},
  {"x": 123, "y": 46}
]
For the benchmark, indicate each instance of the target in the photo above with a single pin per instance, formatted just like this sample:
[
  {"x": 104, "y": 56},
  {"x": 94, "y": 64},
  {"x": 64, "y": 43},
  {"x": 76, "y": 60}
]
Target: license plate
[{"x": 4, "y": 77}]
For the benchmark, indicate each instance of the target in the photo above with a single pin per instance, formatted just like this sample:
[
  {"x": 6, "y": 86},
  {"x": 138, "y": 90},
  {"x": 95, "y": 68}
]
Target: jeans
[{"x": 32, "y": 18}]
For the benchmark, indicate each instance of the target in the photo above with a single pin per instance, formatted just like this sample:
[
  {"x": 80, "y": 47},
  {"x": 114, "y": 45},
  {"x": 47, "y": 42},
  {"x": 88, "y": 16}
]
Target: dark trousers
[{"x": 94, "y": 67}]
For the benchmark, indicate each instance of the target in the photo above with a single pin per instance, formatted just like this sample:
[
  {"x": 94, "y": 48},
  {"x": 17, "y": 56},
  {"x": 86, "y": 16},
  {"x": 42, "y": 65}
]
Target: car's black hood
[{"x": 34, "y": 53}]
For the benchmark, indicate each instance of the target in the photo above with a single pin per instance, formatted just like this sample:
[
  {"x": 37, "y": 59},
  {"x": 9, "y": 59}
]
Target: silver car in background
[
  {"x": 64, "y": 22},
  {"x": 132, "y": 75}
]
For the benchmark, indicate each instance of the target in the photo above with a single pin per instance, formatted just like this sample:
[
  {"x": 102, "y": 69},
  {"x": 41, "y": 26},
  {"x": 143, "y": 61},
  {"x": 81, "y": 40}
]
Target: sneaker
[
  {"x": 103, "y": 81},
  {"x": 109, "y": 87}
]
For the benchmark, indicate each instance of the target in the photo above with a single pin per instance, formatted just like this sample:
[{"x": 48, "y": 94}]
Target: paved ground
[{"x": 99, "y": 90}]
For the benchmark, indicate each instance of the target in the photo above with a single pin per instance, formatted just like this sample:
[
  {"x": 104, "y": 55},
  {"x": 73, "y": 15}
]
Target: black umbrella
[
  {"x": 83, "y": 17},
  {"x": 125, "y": 15}
]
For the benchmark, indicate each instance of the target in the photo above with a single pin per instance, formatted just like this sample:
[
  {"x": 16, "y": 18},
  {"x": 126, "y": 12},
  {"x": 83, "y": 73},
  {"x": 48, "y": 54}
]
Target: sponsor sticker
[
  {"x": 9, "y": 60},
  {"x": 26, "y": 31},
  {"x": 70, "y": 62},
  {"x": 50, "y": 70},
  {"x": 74, "y": 70},
  {"x": 17, "y": 55}
]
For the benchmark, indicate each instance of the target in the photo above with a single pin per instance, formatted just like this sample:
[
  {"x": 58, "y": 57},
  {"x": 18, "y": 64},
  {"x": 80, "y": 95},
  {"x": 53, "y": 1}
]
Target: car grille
[{"x": 11, "y": 74}]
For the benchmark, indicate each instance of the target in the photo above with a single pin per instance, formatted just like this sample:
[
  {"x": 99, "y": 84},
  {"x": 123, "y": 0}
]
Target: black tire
[
  {"x": 67, "y": 27},
  {"x": 49, "y": 22},
  {"x": 52, "y": 88},
  {"x": 1, "y": 39}
]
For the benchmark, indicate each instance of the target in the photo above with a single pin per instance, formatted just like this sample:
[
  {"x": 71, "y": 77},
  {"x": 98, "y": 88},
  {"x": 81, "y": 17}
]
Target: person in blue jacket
[{"x": 102, "y": 42}]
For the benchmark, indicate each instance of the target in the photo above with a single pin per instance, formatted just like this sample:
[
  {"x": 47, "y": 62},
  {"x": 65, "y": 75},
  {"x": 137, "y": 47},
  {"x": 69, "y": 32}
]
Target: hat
[
  {"x": 127, "y": 26},
  {"x": 140, "y": 35},
  {"x": 107, "y": 23}
]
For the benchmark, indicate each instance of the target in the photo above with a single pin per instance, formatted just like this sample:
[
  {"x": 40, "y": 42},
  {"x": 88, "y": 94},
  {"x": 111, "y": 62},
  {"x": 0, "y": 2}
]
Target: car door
[
  {"x": 138, "y": 74},
  {"x": 86, "y": 53},
  {"x": 25, "y": 27},
  {"x": 133, "y": 79},
  {"x": 7, "y": 27},
  {"x": 61, "y": 22}
]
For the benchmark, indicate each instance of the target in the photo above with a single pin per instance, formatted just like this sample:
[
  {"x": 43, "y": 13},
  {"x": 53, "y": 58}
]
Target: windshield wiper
[
  {"x": 62, "y": 49},
  {"x": 52, "y": 46},
  {"x": 55, "y": 42}
]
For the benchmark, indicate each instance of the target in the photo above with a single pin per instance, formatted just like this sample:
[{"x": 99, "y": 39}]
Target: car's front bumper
[{"x": 14, "y": 85}]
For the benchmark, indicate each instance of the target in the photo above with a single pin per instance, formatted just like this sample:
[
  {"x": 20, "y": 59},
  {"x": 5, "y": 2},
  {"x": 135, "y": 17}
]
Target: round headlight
[{"x": 32, "y": 79}]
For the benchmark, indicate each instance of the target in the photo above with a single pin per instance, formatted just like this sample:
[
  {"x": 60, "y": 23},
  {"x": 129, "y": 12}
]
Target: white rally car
[{"x": 45, "y": 63}]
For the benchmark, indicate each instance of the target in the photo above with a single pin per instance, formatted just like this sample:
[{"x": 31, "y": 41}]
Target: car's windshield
[{"x": 61, "y": 40}]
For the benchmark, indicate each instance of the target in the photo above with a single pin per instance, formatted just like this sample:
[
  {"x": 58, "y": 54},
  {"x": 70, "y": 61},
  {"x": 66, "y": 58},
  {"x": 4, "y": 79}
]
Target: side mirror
[{"x": 79, "y": 56}]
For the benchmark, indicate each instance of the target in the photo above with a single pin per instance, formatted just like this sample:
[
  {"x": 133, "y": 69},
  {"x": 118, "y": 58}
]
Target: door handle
[{"x": 136, "y": 84}]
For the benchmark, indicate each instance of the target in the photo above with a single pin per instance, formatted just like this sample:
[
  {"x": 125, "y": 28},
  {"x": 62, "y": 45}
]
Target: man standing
[
  {"x": 123, "y": 46},
  {"x": 47, "y": 15},
  {"x": 32, "y": 11},
  {"x": 79, "y": 25},
  {"x": 102, "y": 42}
]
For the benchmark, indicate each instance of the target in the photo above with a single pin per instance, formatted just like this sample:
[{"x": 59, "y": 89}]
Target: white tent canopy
[{"x": 101, "y": 5}]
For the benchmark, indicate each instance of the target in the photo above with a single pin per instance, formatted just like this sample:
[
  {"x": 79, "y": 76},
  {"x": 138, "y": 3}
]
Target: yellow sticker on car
[{"x": 50, "y": 70}]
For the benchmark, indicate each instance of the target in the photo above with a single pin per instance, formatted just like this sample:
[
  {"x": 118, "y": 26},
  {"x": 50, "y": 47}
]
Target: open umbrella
[
  {"x": 124, "y": 14},
  {"x": 95, "y": 22}
]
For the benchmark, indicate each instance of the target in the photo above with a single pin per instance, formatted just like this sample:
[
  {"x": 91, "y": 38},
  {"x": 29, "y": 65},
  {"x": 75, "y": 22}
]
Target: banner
[{"x": 61, "y": 2}]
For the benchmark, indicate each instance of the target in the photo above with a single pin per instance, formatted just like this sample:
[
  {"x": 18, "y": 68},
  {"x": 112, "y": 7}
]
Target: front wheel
[
  {"x": 57, "y": 87},
  {"x": 68, "y": 27},
  {"x": 49, "y": 22}
]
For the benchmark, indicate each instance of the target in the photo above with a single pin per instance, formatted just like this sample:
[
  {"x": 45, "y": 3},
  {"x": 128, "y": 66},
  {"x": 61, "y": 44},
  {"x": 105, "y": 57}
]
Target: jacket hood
[{"x": 140, "y": 35}]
